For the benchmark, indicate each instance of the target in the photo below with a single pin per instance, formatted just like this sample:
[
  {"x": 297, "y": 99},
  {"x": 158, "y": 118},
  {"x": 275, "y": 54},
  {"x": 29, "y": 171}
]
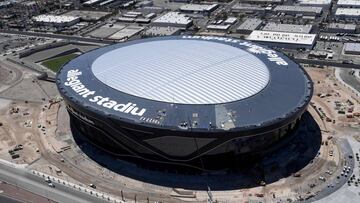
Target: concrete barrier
[{"x": 70, "y": 185}]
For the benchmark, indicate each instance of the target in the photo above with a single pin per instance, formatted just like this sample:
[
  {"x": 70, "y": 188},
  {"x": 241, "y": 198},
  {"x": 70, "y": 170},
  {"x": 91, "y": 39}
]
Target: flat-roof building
[
  {"x": 249, "y": 25},
  {"x": 230, "y": 20},
  {"x": 92, "y": 2},
  {"x": 126, "y": 19},
  {"x": 322, "y": 3},
  {"x": 352, "y": 48},
  {"x": 279, "y": 39},
  {"x": 288, "y": 28},
  {"x": 341, "y": 27},
  {"x": 201, "y": 8},
  {"x": 162, "y": 31},
  {"x": 218, "y": 27},
  {"x": 262, "y": 1},
  {"x": 86, "y": 15},
  {"x": 348, "y": 3},
  {"x": 126, "y": 33},
  {"x": 173, "y": 19},
  {"x": 305, "y": 10},
  {"x": 348, "y": 13},
  {"x": 247, "y": 8},
  {"x": 58, "y": 21}
]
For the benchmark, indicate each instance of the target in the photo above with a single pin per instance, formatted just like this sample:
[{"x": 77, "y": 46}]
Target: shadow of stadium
[{"x": 286, "y": 158}]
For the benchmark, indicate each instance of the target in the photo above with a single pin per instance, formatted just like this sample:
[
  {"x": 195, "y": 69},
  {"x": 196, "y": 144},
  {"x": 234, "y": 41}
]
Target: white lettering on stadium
[
  {"x": 253, "y": 48},
  {"x": 75, "y": 84}
]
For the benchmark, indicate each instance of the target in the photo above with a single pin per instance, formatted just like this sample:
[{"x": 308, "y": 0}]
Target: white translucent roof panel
[{"x": 183, "y": 71}]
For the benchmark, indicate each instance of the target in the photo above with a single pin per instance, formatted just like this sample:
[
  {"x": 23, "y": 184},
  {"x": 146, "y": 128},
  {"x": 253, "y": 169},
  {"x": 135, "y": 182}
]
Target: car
[
  {"x": 93, "y": 186},
  {"x": 51, "y": 185},
  {"x": 47, "y": 180}
]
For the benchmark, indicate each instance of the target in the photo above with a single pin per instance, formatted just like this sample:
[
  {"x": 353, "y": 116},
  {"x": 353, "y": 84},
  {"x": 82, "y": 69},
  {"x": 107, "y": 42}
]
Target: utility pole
[{"x": 210, "y": 199}]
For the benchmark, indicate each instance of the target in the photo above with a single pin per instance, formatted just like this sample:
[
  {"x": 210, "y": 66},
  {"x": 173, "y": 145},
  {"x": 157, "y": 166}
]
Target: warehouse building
[
  {"x": 352, "y": 48},
  {"x": 262, "y": 1},
  {"x": 293, "y": 10},
  {"x": 277, "y": 27},
  {"x": 57, "y": 21},
  {"x": 162, "y": 31},
  {"x": 351, "y": 14},
  {"x": 249, "y": 25},
  {"x": 173, "y": 19},
  {"x": 348, "y": 3},
  {"x": 199, "y": 8},
  {"x": 283, "y": 39},
  {"x": 247, "y": 8},
  {"x": 218, "y": 27},
  {"x": 341, "y": 28},
  {"x": 316, "y": 3}
]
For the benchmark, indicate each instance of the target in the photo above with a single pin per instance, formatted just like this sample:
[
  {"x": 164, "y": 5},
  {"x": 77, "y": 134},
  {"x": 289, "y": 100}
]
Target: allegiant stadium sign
[
  {"x": 74, "y": 82},
  {"x": 253, "y": 48}
]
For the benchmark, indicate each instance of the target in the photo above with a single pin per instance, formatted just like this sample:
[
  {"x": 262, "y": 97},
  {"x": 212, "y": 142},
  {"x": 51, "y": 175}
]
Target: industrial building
[
  {"x": 126, "y": 32},
  {"x": 352, "y": 48},
  {"x": 88, "y": 15},
  {"x": 262, "y": 1},
  {"x": 249, "y": 25},
  {"x": 293, "y": 10},
  {"x": 283, "y": 39},
  {"x": 317, "y": 3},
  {"x": 341, "y": 28},
  {"x": 162, "y": 31},
  {"x": 348, "y": 3},
  {"x": 247, "y": 8},
  {"x": 160, "y": 104},
  {"x": 199, "y": 8},
  {"x": 230, "y": 20},
  {"x": 173, "y": 19},
  {"x": 57, "y": 21},
  {"x": 218, "y": 27},
  {"x": 277, "y": 27},
  {"x": 352, "y": 14}
]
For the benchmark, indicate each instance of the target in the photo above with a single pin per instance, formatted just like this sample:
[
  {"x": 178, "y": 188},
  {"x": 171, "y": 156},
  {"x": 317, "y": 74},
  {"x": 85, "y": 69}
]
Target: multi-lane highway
[{"x": 22, "y": 178}]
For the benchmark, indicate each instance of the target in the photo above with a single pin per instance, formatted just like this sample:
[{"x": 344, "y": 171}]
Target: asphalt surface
[
  {"x": 350, "y": 79},
  {"x": 25, "y": 180},
  {"x": 8, "y": 199},
  {"x": 58, "y": 36}
]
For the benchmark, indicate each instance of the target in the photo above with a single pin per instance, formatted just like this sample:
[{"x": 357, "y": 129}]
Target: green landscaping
[{"x": 55, "y": 64}]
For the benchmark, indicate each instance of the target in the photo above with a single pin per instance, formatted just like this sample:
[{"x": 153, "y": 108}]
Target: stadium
[{"x": 187, "y": 101}]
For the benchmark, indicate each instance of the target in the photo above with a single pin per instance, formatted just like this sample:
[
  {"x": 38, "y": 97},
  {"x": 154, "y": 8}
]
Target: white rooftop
[
  {"x": 230, "y": 20},
  {"x": 348, "y": 3},
  {"x": 282, "y": 37},
  {"x": 218, "y": 27},
  {"x": 355, "y": 47},
  {"x": 298, "y": 8},
  {"x": 54, "y": 18},
  {"x": 90, "y": 2},
  {"x": 348, "y": 12},
  {"x": 287, "y": 27},
  {"x": 314, "y": 2},
  {"x": 198, "y": 7},
  {"x": 174, "y": 18},
  {"x": 183, "y": 71}
]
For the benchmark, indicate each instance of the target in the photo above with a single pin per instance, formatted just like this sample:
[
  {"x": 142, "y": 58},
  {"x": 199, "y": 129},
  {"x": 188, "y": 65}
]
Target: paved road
[
  {"x": 23, "y": 179},
  {"x": 8, "y": 199},
  {"x": 327, "y": 63},
  {"x": 58, "y": 36},
  {"x": 350, "y": 79}
]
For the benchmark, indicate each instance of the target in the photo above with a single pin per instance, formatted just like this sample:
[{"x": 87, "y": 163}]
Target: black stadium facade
[{"x": 197, "y": 101}]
